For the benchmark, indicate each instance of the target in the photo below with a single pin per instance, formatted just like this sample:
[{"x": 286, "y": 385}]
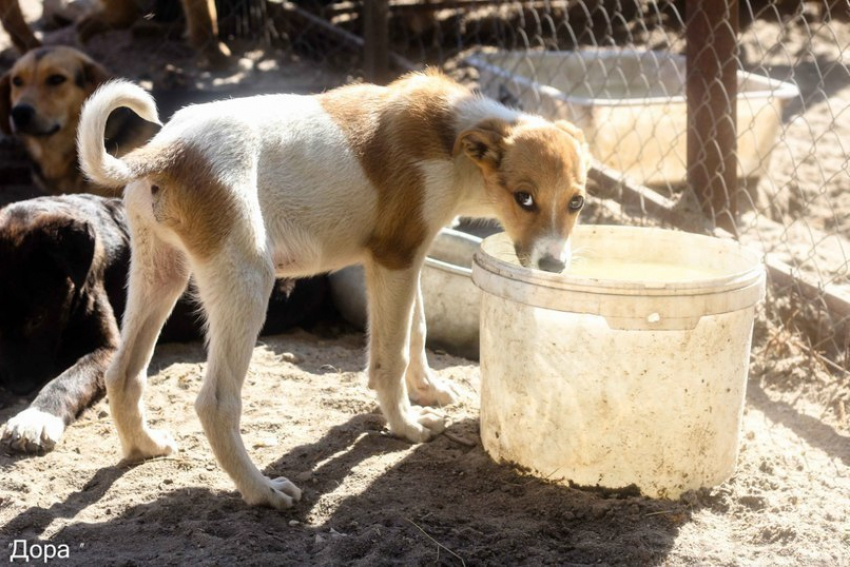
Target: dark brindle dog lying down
[{"x": 64, "y": 263}]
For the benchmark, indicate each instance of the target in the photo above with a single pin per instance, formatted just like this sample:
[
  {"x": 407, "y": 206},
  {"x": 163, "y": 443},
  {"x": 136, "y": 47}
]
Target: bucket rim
[{"x": 732, "y": 281}]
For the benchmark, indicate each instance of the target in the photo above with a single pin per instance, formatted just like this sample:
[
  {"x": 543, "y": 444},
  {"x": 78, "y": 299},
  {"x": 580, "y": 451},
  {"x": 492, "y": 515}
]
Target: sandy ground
[{"x": 371, "y": 499}]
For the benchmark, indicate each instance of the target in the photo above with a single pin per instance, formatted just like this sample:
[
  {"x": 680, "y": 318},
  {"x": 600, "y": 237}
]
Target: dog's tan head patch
[
  {"x": 391, "y": 130},
  {"x": 535, "y": 174}
]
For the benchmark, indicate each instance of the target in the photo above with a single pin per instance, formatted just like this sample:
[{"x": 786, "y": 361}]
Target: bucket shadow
[{"x": 453, "y": 504}]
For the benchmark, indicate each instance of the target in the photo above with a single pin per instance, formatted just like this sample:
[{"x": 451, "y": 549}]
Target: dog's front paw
[
  {"x": 420, "y": 425},
  {"x": 426, "y": 389},
  {"x": 277, "y": 493},
  {"x": 153, "y": 443},
  {"x": 32, "y": 431}
]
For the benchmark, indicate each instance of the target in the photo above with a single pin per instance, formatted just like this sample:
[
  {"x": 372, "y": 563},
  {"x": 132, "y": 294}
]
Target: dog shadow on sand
[{"x": 446, "y": 502}]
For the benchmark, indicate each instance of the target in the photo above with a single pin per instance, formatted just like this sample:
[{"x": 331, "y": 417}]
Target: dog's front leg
[
  {"x": 60, "y": 401},
  {"x": 40, "y": 426},
  {"x": 16, "y": 26},
  {"x": 392, "y": 295},
  {"x": 202, "y": 24},
  {"x": 423, "y": 387}
]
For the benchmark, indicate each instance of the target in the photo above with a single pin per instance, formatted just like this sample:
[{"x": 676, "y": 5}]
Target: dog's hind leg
[
  {"x": 392, "y": 295},
  {"x": 423, "y": 387},
  {"x": 234, "y": 289},
  {"x": 159, "y": 273}
]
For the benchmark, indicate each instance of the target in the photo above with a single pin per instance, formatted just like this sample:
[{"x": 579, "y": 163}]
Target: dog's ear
[
  {"x": 92, "y": 75},
  {"x": 484, "y": 144},
  {"x": 74, "y": 249},
  {"x": 575, "y": 132},
  {"x": 5, "y": 103},
  {"x": 571, "y": 129}
]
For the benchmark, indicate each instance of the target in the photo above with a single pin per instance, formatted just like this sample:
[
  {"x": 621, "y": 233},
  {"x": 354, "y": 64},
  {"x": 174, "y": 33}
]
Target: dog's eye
[
  {"x": 17, "y": 81},
  {"x": 524, "y": 200},
  {"x": 576, "y": 203},
  {"x": 54, "y": 80}
]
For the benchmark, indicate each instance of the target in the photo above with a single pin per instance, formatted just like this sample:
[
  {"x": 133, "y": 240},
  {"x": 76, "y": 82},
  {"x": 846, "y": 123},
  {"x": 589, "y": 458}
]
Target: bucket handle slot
[{"x": 652, "y": 322}]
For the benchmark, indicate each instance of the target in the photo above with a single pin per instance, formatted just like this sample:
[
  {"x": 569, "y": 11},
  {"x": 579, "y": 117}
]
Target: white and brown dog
[{"x": 240, "y": 190}]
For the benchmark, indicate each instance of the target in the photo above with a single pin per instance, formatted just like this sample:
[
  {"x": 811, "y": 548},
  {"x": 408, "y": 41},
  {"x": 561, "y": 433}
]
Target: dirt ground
[{"x": 370, "y": 499}]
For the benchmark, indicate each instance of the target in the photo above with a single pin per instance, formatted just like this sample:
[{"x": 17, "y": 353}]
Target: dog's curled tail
[{"x": 96, "y": 163}]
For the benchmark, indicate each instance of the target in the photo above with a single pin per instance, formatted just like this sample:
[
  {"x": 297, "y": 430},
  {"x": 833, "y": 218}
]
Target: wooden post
[
  {"x": 376, "y": 48},
  {"x": 712, "y": 90}
]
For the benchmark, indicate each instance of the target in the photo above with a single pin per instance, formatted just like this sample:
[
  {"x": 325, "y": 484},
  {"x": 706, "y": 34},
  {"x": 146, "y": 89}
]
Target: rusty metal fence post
[{"x": 712, "y": 87}]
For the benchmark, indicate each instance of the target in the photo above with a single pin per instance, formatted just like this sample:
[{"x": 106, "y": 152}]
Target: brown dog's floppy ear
[
  {"x": 484, "y": 144},
  {"x": 93, "y": 74},
  {"x": 5, "y": 103},
  {"x": 74, "y": 248}
]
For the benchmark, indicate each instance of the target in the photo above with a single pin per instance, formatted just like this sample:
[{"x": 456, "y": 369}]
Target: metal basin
[
  {"x": 631, "y": 106},
  {"x": 452, "y": 301}
]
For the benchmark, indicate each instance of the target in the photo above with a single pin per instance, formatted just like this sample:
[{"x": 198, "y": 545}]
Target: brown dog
[
  {"x": 40, "y": 102},
  {"x": 201, "y": 23}
]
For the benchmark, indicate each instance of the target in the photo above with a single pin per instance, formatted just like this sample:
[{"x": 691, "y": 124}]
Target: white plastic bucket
[{"x": 618, "y": 380}]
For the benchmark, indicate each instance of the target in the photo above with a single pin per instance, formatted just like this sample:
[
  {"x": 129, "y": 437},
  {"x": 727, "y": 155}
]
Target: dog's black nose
[
  {"x": 22, "y": 116},
  {"x": 551, "y": 264}
]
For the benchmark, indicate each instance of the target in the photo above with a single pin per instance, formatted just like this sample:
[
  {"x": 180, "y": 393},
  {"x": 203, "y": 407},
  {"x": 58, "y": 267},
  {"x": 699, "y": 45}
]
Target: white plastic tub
[
  {"x": 636, "y": 377},
  {"x": 631, "y": 106}
]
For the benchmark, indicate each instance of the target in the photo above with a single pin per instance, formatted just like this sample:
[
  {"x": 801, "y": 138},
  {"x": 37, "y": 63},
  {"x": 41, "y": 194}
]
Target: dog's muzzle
[
  {"x": 550, "y": 255},
  {"x": 25, "y": 121}
]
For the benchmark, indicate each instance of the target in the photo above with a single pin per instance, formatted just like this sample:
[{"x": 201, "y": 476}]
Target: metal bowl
[{"x": 452, "y": 301}]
